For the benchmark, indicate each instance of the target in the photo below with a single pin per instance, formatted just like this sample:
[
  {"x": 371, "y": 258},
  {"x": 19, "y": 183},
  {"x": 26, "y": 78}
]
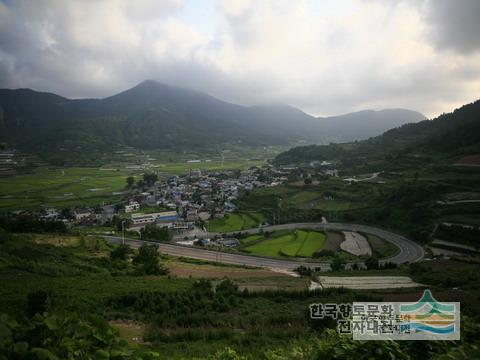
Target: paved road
[{"x": 409, "y": 250}]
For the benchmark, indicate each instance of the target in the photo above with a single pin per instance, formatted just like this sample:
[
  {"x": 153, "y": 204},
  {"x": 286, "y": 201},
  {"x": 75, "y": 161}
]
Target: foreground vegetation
[{"x": 67, "y": 296}]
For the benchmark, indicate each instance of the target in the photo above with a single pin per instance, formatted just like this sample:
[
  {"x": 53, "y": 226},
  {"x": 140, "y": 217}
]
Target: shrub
[
  {"x": 121, "y": 252},
  {"x": 337, "y": 264},
  {"x": 372, "y": 263}
]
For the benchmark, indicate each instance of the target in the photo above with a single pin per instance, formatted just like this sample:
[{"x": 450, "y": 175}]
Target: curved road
[{"x": 409, "y": 250}]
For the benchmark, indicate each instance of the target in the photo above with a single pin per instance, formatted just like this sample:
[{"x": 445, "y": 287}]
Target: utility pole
[{"x": 123, "y": 232}]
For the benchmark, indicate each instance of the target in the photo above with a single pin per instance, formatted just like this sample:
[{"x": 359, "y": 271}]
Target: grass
[
  {"x": 301, "y": 243},
  {"x": 236, "y": 222}
]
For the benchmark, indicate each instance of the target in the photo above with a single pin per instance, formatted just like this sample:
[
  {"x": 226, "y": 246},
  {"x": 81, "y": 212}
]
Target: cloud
[
  {"x": 454, "y": 25},
  {"x": 324, "y": 57}
]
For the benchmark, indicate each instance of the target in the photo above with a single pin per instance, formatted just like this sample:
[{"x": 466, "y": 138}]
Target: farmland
[
  {"x": 61, "y": 188},
  {"x": 236, "y": 222},
  {"x": 300, "y": 243}
]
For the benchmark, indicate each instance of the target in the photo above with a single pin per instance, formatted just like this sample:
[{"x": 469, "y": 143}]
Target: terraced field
[{"x": 301, "y": 243}]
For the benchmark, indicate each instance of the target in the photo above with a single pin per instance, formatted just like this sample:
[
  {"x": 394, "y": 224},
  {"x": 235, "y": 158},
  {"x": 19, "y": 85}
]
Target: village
[{"x": 183, "y": 204}]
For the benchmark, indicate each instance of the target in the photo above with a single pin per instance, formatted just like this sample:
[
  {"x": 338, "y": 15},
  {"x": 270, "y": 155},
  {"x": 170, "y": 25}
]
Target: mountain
[
  {"x": 153, "y": 115},
  {"x": 364, "y": 124},
  {"x": 457, "y": 132}
]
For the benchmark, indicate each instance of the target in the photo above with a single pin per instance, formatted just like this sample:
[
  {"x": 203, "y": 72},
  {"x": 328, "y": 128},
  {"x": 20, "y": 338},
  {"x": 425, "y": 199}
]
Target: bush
[
  {"x": 304, "y": 271},
  {"x": 227, "y": 287},
  {"x": 60, "y": 336},
  {"x": 121, "y": 252},
  {"x": 337, "y": 264},
  {"x": 372, "y": 263},
  {"x": 4, "y": 236},
  {"x": 37, "y": 302}
]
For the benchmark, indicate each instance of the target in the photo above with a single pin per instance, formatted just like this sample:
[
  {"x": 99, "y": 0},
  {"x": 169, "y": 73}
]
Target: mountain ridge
[
  {"x": 457, "y": 132},
  {"x": 153, "y": 115}
]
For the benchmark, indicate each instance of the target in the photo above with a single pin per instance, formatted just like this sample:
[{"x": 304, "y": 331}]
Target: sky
[{"x": 325, "y": 57}]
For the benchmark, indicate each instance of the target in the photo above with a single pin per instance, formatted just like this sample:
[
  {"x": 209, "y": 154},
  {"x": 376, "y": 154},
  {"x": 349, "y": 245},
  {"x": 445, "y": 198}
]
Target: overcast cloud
[{"x": 325, "y": 57}]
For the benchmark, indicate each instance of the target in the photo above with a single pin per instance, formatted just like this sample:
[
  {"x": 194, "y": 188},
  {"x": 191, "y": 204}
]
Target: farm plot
[
  {"x": 236, "y": 222},
  {"x": 334, "y": 239},
  {"x": 380, "y": 247},
  {"x": 301, "y": 243},
  {"x": 355, "y": 244},
  {"x": 60, "y": 188},
  {"x": 367, "y": 282}
]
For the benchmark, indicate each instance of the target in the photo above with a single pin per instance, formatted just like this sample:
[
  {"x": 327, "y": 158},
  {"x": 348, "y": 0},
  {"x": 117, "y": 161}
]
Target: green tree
[
  {"x": 150, "y": 179},
  {"x": 152, "y": 232},
  {"x": 130, "y": 181},
  {"x": 147, "y": 261}
]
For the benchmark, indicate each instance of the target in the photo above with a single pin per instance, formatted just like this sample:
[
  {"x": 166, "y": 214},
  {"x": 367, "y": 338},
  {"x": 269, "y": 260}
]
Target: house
[
  {"x": 161, "y": 219},
  {"x": 81, "y": 214},
  {"x": 192, "y": 215},
  {"x": 166, "y": 218},
  {"x": 107, "y": 214},
  {"x": 204, "y": 215},
  {"x": 151, "y": 200},
  {"x": 132, "y": 207},
  {"x": 231, "y": 242},
  {"x": 229, "y": 207},
  {"x": 195, "y": 173},
  {"x": 50, "y": 214},
  {"x": 84, "y": 217},
  {"x": 140, "y": 220}
]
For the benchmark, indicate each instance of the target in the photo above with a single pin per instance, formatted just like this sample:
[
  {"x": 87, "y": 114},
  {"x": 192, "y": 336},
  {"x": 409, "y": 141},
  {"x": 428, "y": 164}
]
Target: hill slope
[{"x": 457, "y": 132}]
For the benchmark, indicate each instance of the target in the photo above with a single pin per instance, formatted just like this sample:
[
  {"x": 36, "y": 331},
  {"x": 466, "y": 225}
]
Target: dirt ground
[
  {"x": 334, "y": 239},
  {"x": 367, "y": 282},
  {"x": 251, "y": 279},
  {"x": 187, "y": 270}
]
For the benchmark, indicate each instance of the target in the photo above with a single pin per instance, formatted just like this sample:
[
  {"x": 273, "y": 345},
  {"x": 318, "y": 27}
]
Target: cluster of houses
[{"x": 178, "y": 202}]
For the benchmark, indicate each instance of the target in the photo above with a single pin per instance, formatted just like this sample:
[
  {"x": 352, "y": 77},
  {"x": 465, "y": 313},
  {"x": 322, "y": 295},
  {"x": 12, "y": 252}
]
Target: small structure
[{"x": 132, "y": 207}]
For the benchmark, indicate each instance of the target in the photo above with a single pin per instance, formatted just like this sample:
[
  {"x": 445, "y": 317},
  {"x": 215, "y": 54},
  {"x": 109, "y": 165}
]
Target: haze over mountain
[
  {"x": 154, "y": 115},
  {"x": 455, "y": 133}
]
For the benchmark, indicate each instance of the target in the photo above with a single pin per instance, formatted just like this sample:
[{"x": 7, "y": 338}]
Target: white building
[{"x": 133, "y": 206}]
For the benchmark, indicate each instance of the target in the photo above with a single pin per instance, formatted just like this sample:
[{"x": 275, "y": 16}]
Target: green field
[
  {"x": 61, "y": 188},
  {"x": 301, "y": 243},
  {"x": 236, "y": 222}
]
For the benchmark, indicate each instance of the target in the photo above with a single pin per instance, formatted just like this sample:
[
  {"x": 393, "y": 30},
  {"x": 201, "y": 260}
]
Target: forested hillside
[{"x": 457, "y": 132}]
